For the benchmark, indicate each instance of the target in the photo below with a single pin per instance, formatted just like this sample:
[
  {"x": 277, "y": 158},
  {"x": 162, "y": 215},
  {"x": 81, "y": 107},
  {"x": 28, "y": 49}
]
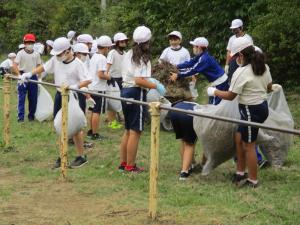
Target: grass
[{"x": 31, "y": 193}]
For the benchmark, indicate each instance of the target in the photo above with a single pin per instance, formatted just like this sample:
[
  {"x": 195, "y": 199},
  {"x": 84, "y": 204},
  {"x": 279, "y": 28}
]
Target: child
[
  {"x": 205, "y": 64},
  {"x": 136, "y": 70},
  {"x": 250, "y": 82},
  {"x": 26, "y": 60},
  {"x": 7, "y": 64},
  {"x": 114, "y": 68},
  {"x": 49, "y": 46},
  {"x": 99, "y": 84},
  {"x": 67, "y": 70}
]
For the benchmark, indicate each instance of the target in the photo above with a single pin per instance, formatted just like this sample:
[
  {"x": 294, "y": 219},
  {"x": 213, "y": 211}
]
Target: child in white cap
[{"x": 7, "y": 64}]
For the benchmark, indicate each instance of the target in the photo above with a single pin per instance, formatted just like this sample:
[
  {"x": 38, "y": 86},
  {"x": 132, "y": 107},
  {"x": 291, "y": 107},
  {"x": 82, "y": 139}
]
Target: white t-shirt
[
  {"x": 251, "y": 89},
  {"x": 7, "y": 64},
  {"x": 175, "y": 57},
  {"x": 130, "y": 70},
  {"x": 115, "y": 59},
  {"x": 66, "y": 73},
  {"x": 97, "y": 63},
  {"x": 27, "y": 62},
  {"x": 233, "y": 37}
]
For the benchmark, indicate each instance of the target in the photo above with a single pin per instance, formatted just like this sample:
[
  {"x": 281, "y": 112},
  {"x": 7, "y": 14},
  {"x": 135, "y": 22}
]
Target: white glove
[
  {"x": 25, "y": 76},
  {"x": 90, "y": 103},
  {"x": 74, "y": 86},
  {"x": 276, "y": 87},
  {"x": 211, "y": 91},
  {"x": 226, "y": 69}
]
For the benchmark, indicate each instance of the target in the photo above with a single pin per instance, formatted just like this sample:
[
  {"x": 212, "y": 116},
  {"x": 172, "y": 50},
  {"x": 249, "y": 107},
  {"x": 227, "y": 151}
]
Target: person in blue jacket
[{"x": 205, "y": 64}]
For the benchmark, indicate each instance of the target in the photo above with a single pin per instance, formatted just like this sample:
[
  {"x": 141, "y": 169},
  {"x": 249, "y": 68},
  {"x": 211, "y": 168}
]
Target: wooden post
[
  {"x": 155, "y": 128},
  {"x": 64, "y": 132},
  {"x": 6, "y": 111}
]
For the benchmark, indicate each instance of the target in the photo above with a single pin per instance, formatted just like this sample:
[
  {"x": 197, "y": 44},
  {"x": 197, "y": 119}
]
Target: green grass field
[{"x": 31, "y": 193}]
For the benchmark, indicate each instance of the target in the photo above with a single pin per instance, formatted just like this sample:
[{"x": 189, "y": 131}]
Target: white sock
[
  {"x": 253, "y": 181},
  {"x": 240, "y": 173}
]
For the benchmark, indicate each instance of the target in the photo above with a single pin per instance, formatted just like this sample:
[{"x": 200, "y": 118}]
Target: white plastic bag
[
  {"x": 114, "y": 105},
  {"x": 193, "y": 89},
  {"x": 44, "y": 107},
  {"x": 76, "y": 117}
]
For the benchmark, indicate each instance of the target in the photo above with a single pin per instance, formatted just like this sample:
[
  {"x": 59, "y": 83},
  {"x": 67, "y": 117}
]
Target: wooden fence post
[
  {"x": 64, "y": 132},
  {"x": 155, "y": 129},
  {"x": 6, "y": 111}
]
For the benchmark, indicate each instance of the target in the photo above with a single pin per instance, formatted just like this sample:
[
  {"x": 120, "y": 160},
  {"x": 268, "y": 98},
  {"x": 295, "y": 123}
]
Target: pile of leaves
[{"x": 178, "y": 90}]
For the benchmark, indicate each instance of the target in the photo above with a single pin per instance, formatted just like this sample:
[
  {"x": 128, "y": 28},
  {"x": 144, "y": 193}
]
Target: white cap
[
  {"x": 60, "y": 44},
  {"x": 21, "y": 46},
  {"x": 200, "y": 41},
  {"x": 240, "y": 44},
  {"x": 84, "y": 38},
  {"x": 236, "y": 23},
  {"x": 81, "y": 48},
  {"x": 94, "y": 47},
  {"x": 258, "y": 49},
  {"x": 12, "y": 55},
  {"x": 175, "y": 33},
  {"x": 141, "y": 34},
  {"x": 104, "y": 41},
  {"x": 120, "y": 37},
  {"x": 50, "y": 43},
  {"x": 71, "y": 34},
  {"x": 39, "y": 48}
]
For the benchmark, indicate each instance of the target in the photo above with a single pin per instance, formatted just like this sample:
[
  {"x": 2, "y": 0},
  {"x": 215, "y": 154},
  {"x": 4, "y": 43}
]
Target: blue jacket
[{"x": 203, "y": 63}]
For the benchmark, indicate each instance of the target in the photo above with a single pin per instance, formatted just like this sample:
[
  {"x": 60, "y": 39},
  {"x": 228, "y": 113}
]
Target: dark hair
[
  {"x": 141, "y": 52},
  {"x": 256, "y": 59}
]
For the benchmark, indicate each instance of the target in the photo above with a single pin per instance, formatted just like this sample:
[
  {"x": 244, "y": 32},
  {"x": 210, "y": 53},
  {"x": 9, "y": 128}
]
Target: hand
[
  {"x": 25, "y": 76},
  {"x": 276, "y": 87},
  {"x": 173, "y": 76},
  {"x": 74, "y": 86},
  {"x": 161, "y": 89},
  {"x": 226, "y": 69},
  {"x": 211, "y": 91},
  {"x": 90, "y": 103},
  {"x": 84, "y": 89}
]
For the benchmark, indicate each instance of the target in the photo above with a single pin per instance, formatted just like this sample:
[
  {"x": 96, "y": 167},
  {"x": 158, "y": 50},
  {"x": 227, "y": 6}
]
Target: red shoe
[{"x": 134, "y": 169}]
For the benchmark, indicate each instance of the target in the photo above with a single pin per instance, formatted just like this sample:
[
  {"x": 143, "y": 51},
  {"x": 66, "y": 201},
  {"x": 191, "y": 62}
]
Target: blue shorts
[
  {"x": 214, "y": 100},
  {"x": 252, "y": 113},
  {"x": 183, "y": 123},
  {"x": 134, "y": 115}
]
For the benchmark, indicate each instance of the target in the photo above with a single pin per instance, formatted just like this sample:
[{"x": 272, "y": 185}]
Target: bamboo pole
[
  {"x": 6, "y": 111},
  {"x": 155, "y": 128},
  {"x": 64, "y": 132}
]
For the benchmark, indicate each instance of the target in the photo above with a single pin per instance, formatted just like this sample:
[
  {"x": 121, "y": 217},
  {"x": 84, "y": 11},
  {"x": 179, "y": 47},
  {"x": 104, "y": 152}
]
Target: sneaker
[
  {"x": 71, "y": 142},
  {"x": 57, "y": 164},
  {"x": 115, "y": 125},
  {"x": 134, "y": 169},
  {"x": 88, "y": 144},
  {"x": 78, "y": 162},
  {"x": 248, "y": 183},
  {"x": 98, "y": 137},
  {"x": 262, "y": 164},
  {"x": 184, "y": 175},
  {"x": 236, "y": 178},
  {"x": 121, "y": 168},
  {"x": 89, "y": 133}
]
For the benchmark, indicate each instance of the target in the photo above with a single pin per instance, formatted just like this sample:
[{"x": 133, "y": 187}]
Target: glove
[
  {"x": 161, "y": 89},
  {"x": 211, "y": 91},
  {"x": 226, "y": 69},
  {"x": 25, "y": 76},
  {"x": 90, "y": 103},
  {"x": 276, "y": 87},
  {"x": 74, "y": 86}
]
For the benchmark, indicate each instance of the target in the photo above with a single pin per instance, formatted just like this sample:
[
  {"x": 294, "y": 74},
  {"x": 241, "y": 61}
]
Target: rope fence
[{"x": 154, "y": 109}]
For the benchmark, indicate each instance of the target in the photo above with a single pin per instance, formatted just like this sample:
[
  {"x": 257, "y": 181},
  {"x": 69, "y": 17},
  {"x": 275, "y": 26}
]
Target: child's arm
[
  {"x": 103, "y": 75},
  {"x": 143, "y": 82},
  {"x": 187, "y": 64}
]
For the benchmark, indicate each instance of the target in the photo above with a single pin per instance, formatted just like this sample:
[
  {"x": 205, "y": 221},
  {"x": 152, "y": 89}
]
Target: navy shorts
[
  {"x": 215, "y": 100},
  {"x": 252, "y": 113},
  {"x": 100, "y": 106},
  {"x": 57, "y": 103},
  {"x": 134, "y": 115},
  {"x": 183, "y": 123},
  {"x": 82, "y": 101}
]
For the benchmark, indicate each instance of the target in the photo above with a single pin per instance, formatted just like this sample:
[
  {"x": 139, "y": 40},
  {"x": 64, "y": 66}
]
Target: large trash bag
[
  {"x": 217, "y": 137},
  {"x": 76, "y": 117},
  {"x": 114, "y": 105},
  {"x": 44, "y": 107}
]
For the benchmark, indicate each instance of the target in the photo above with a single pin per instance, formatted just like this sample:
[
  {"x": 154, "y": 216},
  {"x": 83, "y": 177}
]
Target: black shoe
[
  {"x": 98, "y": 137},
  {"x": 71, "y": 142},
  {"x": 183, "y": 176},
  {"x": 78, "y": 162},
  {"x": 236, "y": 178},
  {"x": 248, "y": 183},
  {"x": 57, "y": 164},
  {"x": 262, "y": 164},
  {"x": 89, "y": 133},
  {"x": 88, "y": 144},
  {"x": 121, "y": 168}
]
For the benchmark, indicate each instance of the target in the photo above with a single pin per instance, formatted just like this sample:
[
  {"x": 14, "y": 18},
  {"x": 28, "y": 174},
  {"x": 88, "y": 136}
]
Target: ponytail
[{"x": 256, "y": 59}]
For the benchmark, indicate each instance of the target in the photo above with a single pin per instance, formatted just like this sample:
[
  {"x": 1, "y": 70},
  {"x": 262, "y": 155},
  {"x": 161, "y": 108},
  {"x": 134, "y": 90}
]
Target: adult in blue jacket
[{"x": 205, "y": 64}]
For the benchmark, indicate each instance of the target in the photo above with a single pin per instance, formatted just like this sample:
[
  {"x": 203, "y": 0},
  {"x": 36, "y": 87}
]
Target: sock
[
  {"x": 253, "y": 181},
  {"x": 240, "y": 173}
]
